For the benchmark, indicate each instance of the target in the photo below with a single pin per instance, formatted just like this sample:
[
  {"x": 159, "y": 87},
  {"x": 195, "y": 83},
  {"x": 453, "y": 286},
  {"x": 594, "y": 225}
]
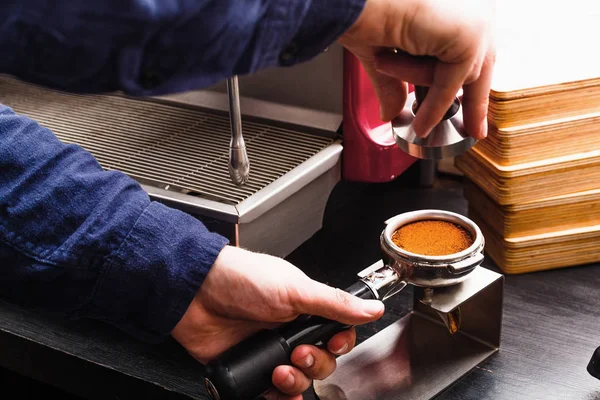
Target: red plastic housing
[{"x": 370, "y": 153}]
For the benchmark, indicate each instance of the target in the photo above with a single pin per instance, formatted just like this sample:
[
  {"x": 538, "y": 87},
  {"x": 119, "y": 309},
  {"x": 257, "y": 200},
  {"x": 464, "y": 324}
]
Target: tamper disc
[{"x": 447, "y": 139}]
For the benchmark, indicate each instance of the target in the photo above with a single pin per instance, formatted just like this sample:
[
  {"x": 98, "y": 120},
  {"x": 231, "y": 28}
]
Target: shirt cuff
[
  {"x": 285, "y": 39},
  {"x": 149, "y": 283}
]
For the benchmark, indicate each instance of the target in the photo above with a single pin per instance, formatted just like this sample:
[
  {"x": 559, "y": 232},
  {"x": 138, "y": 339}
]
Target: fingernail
[
  {"x": 484, "y": 128},
  {"x": 308, "y": 361},
  {"x": 373, "y": 307},
  {"x": 342, "y": 350},
  {"x": 289, "y": 381}
]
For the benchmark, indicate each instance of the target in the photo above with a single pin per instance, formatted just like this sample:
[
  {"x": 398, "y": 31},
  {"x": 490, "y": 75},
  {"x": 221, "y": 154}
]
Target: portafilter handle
[
  {"x": 244, "y": 371},
  {"x": 594, "y": 365},
  {"x": 239, "y": 164}
]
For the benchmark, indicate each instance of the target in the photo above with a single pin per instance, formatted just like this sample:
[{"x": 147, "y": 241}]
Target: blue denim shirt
[{"x": 87, "y": 243}]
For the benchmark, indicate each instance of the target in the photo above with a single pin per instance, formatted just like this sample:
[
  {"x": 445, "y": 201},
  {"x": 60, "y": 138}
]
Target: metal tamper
[{"x": 447, "y": 139}]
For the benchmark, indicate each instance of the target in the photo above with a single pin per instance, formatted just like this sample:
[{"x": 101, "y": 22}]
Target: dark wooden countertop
[{"x": 551, "y": 320}]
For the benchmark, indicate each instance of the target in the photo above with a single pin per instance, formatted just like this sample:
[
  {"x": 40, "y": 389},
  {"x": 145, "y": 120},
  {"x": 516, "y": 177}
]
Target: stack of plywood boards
[{"x": 534, "y": 184}]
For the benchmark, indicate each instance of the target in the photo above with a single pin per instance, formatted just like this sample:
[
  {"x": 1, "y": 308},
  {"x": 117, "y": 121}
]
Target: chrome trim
[
  {"x": 370, "y": 269},
  {"x": 194, "y": 205},
  {"x": 384, "y": 282}
]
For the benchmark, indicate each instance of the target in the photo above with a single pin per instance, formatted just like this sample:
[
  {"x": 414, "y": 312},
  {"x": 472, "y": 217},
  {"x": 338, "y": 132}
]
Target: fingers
[
  {"x": 476, "y": 98},
  {"x": 343, "y": 342},
  {"x": 318, "y": 363},
  {"x": 322, "y": 300},
  {"x": 205, "y": 335},
  {"x": 310, "y": 363},
  {"x": 290, "y": 381},
  {"x": 445, "y": 80},
  {"x": 314, "y": 363},
  {"x": 448, "y": 79},
  {"x": 390, "y": 92},
  {"x": 404, "y": 67}
]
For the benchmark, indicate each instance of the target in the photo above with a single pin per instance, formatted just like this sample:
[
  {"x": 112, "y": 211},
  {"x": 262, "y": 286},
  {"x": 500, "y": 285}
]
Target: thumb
[
  {"x": 335, "y": 304},
  {"x": 390, "y": 91}
]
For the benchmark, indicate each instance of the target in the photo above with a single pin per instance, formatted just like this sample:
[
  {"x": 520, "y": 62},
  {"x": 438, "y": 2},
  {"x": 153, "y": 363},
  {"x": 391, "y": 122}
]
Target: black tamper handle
[
  {"x": 594, "y": 365},
  {"x": 244, "y": 371},
  {"x": 421, "y": 93}
]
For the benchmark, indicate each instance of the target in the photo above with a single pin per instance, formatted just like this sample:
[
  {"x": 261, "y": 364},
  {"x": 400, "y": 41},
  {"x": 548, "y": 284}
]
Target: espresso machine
[
  {"x": 256, "y": 154},
  {"x": 454, "y": 325}
]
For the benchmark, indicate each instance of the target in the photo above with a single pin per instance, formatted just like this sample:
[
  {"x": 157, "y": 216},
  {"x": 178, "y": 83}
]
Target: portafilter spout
[
  {"x": 239, "y": 164},
  {"x": 244, "y": 371}
]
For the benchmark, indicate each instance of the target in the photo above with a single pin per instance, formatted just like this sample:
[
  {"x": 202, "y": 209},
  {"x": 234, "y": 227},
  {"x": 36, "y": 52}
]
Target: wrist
[
  {"x": 196, "y": 310},
  {"x": 379, "y": 24}
]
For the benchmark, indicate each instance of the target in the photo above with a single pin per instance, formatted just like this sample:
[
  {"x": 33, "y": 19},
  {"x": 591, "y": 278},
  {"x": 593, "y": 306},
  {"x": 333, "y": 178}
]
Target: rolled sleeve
[
  {"x": 82, "y": 242},
  {"x": 153, "y": 277}
]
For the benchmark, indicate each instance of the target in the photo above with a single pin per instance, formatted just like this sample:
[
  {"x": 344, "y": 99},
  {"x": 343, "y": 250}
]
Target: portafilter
[{"x": 244, "y": 371}]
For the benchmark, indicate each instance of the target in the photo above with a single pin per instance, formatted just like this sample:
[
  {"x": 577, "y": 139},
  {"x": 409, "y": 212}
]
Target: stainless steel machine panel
[{"x": 179, "y": 153}]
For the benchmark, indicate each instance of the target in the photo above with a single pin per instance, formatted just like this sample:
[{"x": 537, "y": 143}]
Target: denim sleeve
[
  {"x": 154, "y": 47},
  {"x": 87, "y": 243},
  {"x": 83, "y": 242}
]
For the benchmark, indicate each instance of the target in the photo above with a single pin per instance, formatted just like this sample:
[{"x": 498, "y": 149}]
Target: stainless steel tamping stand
[{"x": 239, "y": 164}]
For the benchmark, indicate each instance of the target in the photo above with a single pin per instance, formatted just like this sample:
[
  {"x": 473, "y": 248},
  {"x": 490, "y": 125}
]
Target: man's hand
[
  {"x": 245, "y": 292},
  {"x": 446, "y": 45}
]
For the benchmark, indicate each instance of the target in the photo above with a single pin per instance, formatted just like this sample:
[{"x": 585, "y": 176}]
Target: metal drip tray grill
[
  {"x": 179, "y": 150},
  {"x": 167, "y": 146}
]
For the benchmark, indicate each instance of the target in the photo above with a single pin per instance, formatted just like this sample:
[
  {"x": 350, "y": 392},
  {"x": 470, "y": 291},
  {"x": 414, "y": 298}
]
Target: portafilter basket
[
  {"x": 432, "y": 271},
  {"x": 244, "y": 371}
]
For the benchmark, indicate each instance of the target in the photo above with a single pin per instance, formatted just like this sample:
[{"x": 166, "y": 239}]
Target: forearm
[
  {"x": 83, "y": 242},
  {"x": 155, "y": 47}
]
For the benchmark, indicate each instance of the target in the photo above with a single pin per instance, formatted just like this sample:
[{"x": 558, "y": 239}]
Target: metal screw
[{"x": 427, "y": 296}]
